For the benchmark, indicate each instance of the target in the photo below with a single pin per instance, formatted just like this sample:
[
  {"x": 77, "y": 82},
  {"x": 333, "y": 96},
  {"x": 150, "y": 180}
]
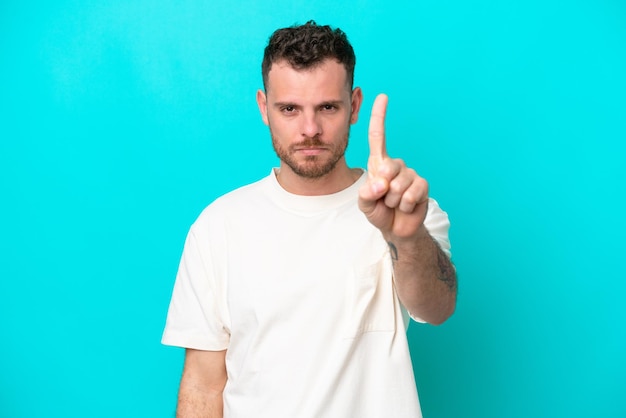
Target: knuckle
[
  {"x": 398, "y": 162},
  {"x": 410, "y": 198},
  {"x": 396, "y": 186}
]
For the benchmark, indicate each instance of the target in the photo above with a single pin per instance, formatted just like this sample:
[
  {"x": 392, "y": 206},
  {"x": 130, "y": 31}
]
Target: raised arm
[
  {"x": 202, "y": 385},
  {"x": 395, "y": 200},
  {"x": 424, "y": 277}
]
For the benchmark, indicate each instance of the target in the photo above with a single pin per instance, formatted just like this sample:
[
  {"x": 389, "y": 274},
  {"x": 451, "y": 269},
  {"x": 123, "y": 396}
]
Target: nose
[{"x": 311, "y": 125}]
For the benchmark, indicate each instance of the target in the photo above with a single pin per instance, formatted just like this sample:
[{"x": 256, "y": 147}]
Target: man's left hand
[{"x": 394, "y": 198}]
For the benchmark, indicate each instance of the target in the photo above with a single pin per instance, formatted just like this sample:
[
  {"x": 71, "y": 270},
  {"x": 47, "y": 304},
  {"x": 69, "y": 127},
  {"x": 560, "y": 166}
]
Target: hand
[{"x": 394, "y": 198}]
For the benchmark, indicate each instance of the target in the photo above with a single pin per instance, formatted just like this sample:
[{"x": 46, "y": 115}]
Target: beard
[{"x": 312, "y": 166}]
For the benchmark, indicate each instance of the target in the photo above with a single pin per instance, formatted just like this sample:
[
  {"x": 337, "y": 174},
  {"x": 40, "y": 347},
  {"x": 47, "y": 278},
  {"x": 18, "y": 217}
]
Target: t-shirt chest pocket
[{"x": 370, "y": 299}]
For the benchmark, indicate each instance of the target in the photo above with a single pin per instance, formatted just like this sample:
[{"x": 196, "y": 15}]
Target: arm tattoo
[
  {"x": 446, "y": 273},
  {"x": 446, "y": 270},
  {"x": 393, "y": 251}
]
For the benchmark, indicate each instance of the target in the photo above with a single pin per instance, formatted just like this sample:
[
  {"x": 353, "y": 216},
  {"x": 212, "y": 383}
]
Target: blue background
[{"x": 121, "y": 120}]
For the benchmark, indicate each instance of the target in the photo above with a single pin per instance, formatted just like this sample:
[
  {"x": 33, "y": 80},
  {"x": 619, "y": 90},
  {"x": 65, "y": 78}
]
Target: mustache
[{"x": 310, "y": 142}]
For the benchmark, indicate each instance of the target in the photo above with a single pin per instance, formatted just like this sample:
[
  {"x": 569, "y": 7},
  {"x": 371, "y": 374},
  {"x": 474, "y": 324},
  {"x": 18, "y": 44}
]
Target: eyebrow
[
  {"x": 336, "y": 103},
  {"x": 281, "y": 104}
]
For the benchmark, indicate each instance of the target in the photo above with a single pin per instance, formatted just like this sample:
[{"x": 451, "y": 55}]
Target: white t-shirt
[{"x": 299, "y": 290}]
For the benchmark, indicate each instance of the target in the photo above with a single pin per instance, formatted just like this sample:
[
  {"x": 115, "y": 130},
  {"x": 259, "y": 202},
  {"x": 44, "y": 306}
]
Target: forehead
[{"x": 327, "y": 78}]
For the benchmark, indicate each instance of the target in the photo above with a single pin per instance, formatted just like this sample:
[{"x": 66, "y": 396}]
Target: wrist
[{"x": 421, "y": 234}]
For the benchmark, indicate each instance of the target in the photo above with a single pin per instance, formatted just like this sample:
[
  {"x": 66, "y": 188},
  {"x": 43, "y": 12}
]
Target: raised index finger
[{"x": 376, "y": 133}]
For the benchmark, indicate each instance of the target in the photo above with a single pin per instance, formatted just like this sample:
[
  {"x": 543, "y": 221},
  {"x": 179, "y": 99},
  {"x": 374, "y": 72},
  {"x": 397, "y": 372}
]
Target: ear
[
  {"x": 261, "y": 101},
  {"x": 357, "y": 99}
]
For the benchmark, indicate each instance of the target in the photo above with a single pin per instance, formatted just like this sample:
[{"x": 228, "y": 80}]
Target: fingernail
[{"x": 377, "y": 187}]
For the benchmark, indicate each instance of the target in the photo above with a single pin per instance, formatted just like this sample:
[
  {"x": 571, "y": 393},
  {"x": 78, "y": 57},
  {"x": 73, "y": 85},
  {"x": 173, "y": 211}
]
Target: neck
[{"x": 337, "y": 180}]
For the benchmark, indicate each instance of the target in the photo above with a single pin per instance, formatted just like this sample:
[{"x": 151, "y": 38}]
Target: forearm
[
  {"x": 195, "y": 402},
  {"x": 202, "y": 385},
  {"x": 424, "y": 277}
]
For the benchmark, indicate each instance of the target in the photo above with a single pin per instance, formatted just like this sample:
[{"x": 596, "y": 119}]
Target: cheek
[
  {"x": 340, "y": 127},
  {"x": 282, "y": 129}
]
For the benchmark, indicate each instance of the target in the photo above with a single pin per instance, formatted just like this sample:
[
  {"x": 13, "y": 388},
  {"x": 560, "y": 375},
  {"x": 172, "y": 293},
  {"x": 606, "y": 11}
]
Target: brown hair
[{"x": 306, "y": 46}]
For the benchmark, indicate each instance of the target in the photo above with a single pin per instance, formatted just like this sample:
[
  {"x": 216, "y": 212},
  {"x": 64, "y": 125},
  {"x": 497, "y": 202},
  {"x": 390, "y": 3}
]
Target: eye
[
  {"x": 288, "y": 109},
  {"x": 329, "y": 107}
]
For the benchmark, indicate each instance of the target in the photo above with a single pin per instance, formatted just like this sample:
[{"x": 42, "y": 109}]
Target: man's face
[{"x": 309, "y": 113}]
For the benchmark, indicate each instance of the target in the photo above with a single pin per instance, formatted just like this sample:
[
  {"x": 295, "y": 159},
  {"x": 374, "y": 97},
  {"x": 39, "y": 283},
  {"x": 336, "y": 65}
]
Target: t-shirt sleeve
[
  {"x": 195, "y": 318},
  {"x": 438, "y": 225}
]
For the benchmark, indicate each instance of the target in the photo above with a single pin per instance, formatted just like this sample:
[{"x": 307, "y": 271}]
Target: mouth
[
  {"x": 310, "y": 151},
  {"x": 310, "y": 147}
]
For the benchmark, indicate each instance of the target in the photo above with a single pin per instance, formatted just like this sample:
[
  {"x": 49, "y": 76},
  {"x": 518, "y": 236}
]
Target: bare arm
[
  {"x": 424, "y": 276},
  {"x": 202, "y": 385}
]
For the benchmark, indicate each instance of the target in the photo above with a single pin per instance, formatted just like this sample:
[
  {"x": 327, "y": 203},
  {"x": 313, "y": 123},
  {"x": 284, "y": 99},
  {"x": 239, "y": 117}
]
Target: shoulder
[
  {"x": 238, "y": 196},
  {"x": 231, "y": 203}
]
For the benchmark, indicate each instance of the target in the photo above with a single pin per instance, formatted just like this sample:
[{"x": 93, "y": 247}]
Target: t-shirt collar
[{"x": 312, "y": 204}]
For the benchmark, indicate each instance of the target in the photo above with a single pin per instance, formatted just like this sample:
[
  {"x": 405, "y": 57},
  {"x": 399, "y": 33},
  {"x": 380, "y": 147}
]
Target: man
[{"x": 293, "y": 292}]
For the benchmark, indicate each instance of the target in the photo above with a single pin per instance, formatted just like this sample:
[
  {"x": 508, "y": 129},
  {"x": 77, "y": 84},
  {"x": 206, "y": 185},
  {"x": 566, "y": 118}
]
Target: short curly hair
[{"x": 306, "y": 46}]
